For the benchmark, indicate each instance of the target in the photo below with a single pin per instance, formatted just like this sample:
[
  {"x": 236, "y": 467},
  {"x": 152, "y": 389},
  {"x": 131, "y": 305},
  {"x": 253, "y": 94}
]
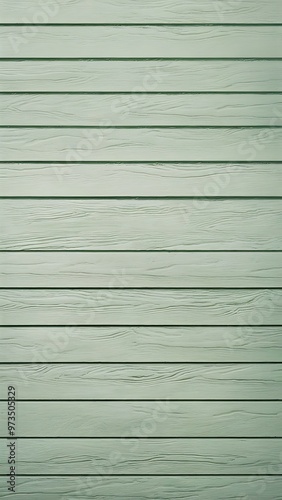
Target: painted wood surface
[
  {"x": 143, "y": 382},
  {"x": 164, "y": 11},
  {"x": 141, "y": 179},
  {"x": 147, "y": 487},
  {"x": 141, "y": 306},
  {"x": 143, "y": 344},
  {"x": 177, "y": 104},
  {"x": 145, "y": 456},
  {"x": 145, "y": 420},
  {"x": 141, "y": 110},
  {"x": 140, "y": 41},
  {"x": 141, "y": 76},
  {"x": 141, "y": 224},
  {"x": 146, "y": 144},
  {"x": 141, "y": 269}
]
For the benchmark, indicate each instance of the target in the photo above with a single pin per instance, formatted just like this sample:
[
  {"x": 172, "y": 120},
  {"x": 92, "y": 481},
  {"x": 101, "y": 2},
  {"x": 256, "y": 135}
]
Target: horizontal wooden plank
[
  {"x": 142, "y": 144},
  {"x": 142, "y": 381},
  {"x": 147, "y": 269},
  {"x": 145, "y": 419},
  {"x": 143, "y": 344},
  {"x": 146, "y": 456},
  {"x": 141, "y": 179},
  {"x": 140, "y": 41},
  {"x": 146, "y": 488},
  {"x": 141, "y": 76},
  {"x": 141, "y": 306},
  {"x": 197, "y": 224},
  {"x": 164, "y": 11},
  {"x": 141, "y": 110}
]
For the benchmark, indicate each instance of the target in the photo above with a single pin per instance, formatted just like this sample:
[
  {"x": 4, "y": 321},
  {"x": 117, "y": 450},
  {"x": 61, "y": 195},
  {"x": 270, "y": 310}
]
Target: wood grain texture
[
  {"x": 141, "y": 76},
  {"x": 144, "y": 144},
  {"x": 145, "y": 419},
  {"x": 145, "y": 269},
  {"x": 147, "y": 487},
  {"x": 141, "y": 179},
  {"x": 163, "y": 11},
  {"x": 140, "y": 41},
  {"x": 143, "y": 344},
  {"x": 198, "y": 224},
  {"x": 143, "y": 381},
  {"x": 141, "y": 307},
  {"x": 141, "y": 110},
  {"x": 145, "y": 456},
  {"x": 193, "y": 83}
]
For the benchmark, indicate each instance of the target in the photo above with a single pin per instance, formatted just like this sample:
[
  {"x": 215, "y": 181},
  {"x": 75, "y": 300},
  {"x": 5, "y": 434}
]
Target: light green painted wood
[
  {"x": 146, "y": 456},
  {"x": 143, "y": 381},
  {"x": 146, "y": 144},
  {"x": 141, "y": 41},
  {"x": 143, "y": 110},
  {"x": 147, "y": 487},
  {"x": 142, "y": 76},
  {"x": 147, "y": 269},
  {"x": 141, "y": 224},
  {"x": 141, "y": 307},
  {"x": 144, "y": 344},
  {"x": 132, "y": 75},
  {"x": 163, "y": 11},
  {"x": 145, "y": 419},
  {"x": 141, "y": 179}
]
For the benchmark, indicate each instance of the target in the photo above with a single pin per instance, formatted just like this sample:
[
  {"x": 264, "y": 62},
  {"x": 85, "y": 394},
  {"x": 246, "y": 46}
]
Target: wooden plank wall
[{"x": 141, "y": 248}]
